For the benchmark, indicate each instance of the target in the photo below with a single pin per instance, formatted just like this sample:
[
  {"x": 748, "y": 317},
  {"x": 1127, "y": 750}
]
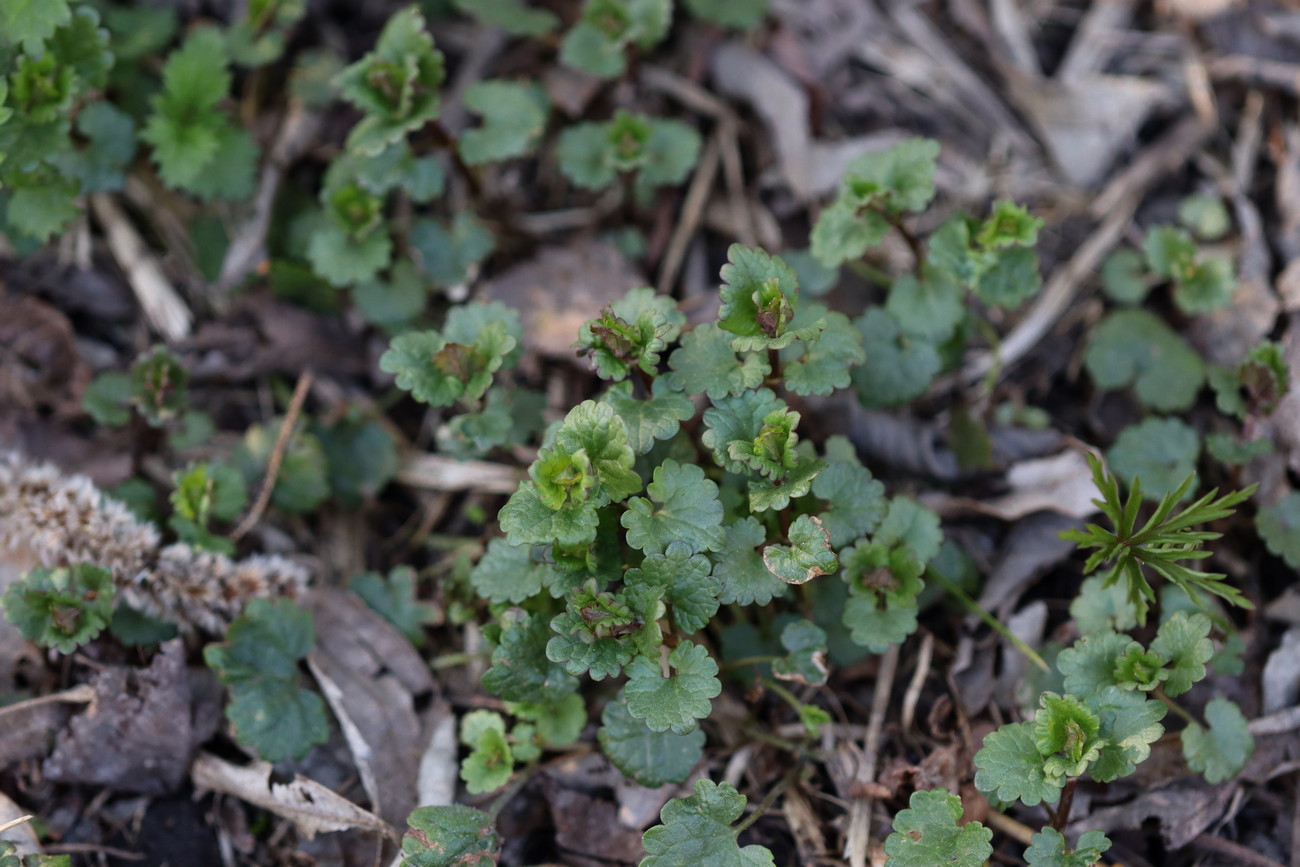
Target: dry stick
[
  {"x": 1115, "y": 207},
  {"x": 247, "y": 248},
  {"x": 859, "y": 834},
  {"x": 1239, "y": 854},
  {"x": 277, "y": 455},
  {"x": 914, "y": 686},
  {"x": 696, "y": 197},
  {"x": 162, "y": 305}
]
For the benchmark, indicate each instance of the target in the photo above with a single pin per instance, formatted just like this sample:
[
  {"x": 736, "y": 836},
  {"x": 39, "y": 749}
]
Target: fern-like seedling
[{"x": 1164, "y": 540}]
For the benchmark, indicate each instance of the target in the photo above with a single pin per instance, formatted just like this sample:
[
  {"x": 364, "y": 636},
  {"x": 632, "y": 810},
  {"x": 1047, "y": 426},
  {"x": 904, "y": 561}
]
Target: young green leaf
[
  {"x": 1065, "y": 732},
  {"x": 394, "y": 598},
  {"x": 1140, "y": 669},
  {"x": 698, "y": 830},
  {"x": 62, "y": 608},
  {"x": 1134, "y": 347},
  {"x": 509, "y": 573},
  {"x": 739, "y": 567},
  {"x": 808, "y": 555},
  {"x": 1123, "y": 277},
  {"x": 439, "y": 371},
  {"x": 1089, "y": 665},
  {"x": 760, "y": 295},
  {"x": 927, "y": 833},
  {"x": 520, "y": 668},
  {"x": 739, "y": 420},
  {"x": 776, "y": 493},
  {"x": 1279, "y": 527},
  {"x": 899, "y": 366},
  {"x": 596, "y": 44},
  {"x": 911, "y": 525},
  {"x": 1206, "y": 215},
  {"x": 527, "y": 520},
  {"x": 31, "y": 22},
  {"x": 396, "y": 85},
  {"x": 450, "y": 836},
  {"x": 705, "y": 362},
  {"x": 822, "y": 365},
  {"x": 259, "y": 662},
  {"x": 1047, "y": 848},
  {"x": 688, "y": 587},
  {"x": 856, "y": 499},
  {"x": 656, "y": 418},
  {"x": 683, "y": 507},
  {"x": 302, "y": 482},
  {"x": 1130, "y": 723},
  {"x": 1161, "y": 451},
  {"x": 805, "y": 645},
  {"x": 1010, "y": 765},
  {"x": 1222, "y": 752},
  {"x": 630, "y": 334},
  {"x": 675, "y": 702},
  {"x": 185, "y": 128},
  {"x": 1184, "y": 645},
  {"x": 931, "y": 309},
  {"x": 489, "y": 766},
  {"x": 514, "y": 117},
  {"x": 649, "y": 757},
  {"x": 599, "y": 633}
]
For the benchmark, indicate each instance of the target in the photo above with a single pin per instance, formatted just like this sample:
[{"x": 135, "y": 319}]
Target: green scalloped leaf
[
  {"x": 739, "y": 567},
  {"x": 1010, "y": 766},
  {"x": 683, "y": 507},
  {"x": 649, "y": 757},
  {"x": 450, "y": 836},
  {"x": 673, "y": 703},
  {"x": 808, "y": 555},
  {"x": 1222, "y": 752},
  {"x": 927, "y": 834}
]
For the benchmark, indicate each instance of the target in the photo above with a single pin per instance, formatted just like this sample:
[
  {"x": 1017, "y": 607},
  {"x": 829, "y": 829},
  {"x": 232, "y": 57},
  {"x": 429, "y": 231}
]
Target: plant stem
[
  {"x": 790, "y": 698},
  {"x": 444, "y": 138},
  {"x": 918, "y": 254},
  {"x": 747, "y": 660},
  {"x": 511, "y": 790},
  {"x": 774, "y": 362},
  {"x": 768, "y": 800},
  {"x": 1062, "y": 814},
  {"x": 995, "y": 624},
  {"x": 1175, "y": 707},
  {"x": 870, "y": 273}
]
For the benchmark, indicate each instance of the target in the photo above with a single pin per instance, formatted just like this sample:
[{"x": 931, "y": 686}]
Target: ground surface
[{"x": 1100, "y": 118}]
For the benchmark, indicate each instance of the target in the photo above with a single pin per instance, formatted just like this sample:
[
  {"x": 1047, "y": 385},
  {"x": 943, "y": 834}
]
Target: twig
[
  {"x": 1115, "y": 207},
  {"x": 859, "y": 835},
  {"x": 15, "y": 823},
  {"x": 768, "y": 800},
  {"x": 914, "y": 686},
  {"x": 162, "y": 305},
  {"x": 277, "y": 455},
  {"x": 247, "y": 247},
  {"x": 1237, "y": 853},
  {"x": 701, "y": 185},
  {"x": 92, "y": 849}
]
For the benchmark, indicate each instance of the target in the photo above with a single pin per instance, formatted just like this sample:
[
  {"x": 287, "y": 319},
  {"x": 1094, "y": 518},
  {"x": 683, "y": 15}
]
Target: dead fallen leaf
[
  {"x": 136, "y": 735},
  {"x": 1281, "y": 676},
  {"x": 313, "y": 808},
  {"x": 810, "y": 168},
  {"x": 561, "y": 289},
  {"x": 1089, "y": 120},
  {"x": 40, "y": 366},
  {"x": 1060, "y": 483},
  {"x": 27, "y": 726},
  {"x": 20, "y": 833},
  {"x": 356, "y": 661}
]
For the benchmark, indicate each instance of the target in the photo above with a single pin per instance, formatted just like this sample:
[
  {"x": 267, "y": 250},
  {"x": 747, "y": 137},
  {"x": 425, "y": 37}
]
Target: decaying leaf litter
[{"x": 1099, "y": 118}]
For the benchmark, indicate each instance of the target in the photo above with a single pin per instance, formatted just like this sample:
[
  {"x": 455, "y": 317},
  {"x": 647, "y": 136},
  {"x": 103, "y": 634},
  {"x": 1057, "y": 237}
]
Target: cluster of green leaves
[
  {"x": 928, "y": 315},
  {"x": 495, "y": 751},
  {"x": 655, "y": 152},
  {"x": 1115, "y": 693},
  {"x": 608, "y": 30},
  {"x": 155, "y": 387},
  {"x": 61, "y": 608},
  {"x": 1159, "y": 544},
  {"x": 630, "y": 532},
  {"x": 268, "y": 709},
  {"x": 9, "y": 857}
]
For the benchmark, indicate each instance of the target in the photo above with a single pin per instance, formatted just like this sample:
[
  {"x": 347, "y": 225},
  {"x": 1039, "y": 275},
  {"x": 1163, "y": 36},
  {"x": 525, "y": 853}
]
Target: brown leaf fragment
[
  {"x": 27, "y": 726},
  {"x": 369, "y": 674},
  {"x": 136, "y": 735},
  {"x": 305, "y": 802}
]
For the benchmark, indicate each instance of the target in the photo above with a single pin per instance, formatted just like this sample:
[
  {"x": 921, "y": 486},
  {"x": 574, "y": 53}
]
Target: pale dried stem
[
  {"x": 163, "y": 306},
  {"x": 858, "y": 837},
  {"x": 277, "y": 456}
]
